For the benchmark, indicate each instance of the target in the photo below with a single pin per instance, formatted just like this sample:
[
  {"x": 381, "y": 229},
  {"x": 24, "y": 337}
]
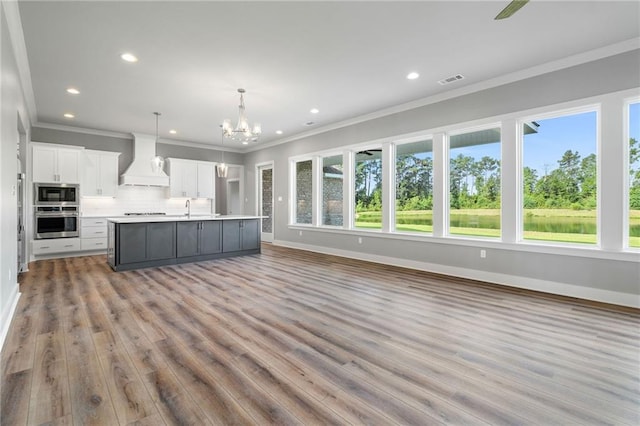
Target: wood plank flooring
[{"x": 291, "y": 337}]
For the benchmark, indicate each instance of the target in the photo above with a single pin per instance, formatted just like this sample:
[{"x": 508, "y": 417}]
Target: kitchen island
[{"x": 142, "y": 242}]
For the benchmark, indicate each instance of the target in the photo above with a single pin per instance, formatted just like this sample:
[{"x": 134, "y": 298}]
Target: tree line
[{"x": 475, "y": 184}]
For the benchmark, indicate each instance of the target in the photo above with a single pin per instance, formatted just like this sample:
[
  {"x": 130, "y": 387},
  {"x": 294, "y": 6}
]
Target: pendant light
[
  {"x": 157, "y": 162},
  {"x": 222, "y": 167}
]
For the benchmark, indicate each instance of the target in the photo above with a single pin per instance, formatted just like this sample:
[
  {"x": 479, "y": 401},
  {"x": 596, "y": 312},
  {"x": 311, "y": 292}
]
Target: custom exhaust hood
[{"x": 144, "y": 170}]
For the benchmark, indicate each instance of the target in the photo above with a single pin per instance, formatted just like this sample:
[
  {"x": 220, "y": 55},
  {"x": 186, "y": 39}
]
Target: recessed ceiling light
[
  {"x": 314, "y": 110},
  {"x": 245, "y": 143},
  {"x": 278, "y": 132},
  {"x": 73, "y": 91},
  {"x": 68, "y": 115},
  {"x": 173, "y": 131},
  {"x": 129, "y": 57},
  {"x": 413, "y": 75}
]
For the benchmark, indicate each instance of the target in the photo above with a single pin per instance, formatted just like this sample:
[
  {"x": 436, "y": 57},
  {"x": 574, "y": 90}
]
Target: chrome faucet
[{"x": 188, "y": 206}]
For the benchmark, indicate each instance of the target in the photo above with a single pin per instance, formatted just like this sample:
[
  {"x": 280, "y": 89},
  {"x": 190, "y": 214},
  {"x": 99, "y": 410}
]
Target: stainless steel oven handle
[{"x": 63, "y": 214}]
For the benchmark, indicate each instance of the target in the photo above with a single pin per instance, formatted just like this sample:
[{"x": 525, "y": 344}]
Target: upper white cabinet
[
  {"x": 206, "y": 176},
  {"x": 53, "y": 163},
  {"x": 191, "y": 179},
  {"x": 100, "y": 177}
]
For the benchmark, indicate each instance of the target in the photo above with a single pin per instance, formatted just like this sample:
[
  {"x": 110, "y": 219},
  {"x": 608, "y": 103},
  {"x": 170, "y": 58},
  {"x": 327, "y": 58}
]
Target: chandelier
[{"x": 242, "y": 132}]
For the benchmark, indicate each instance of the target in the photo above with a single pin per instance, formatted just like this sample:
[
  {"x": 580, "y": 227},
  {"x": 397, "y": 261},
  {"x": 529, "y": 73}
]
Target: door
[
  {"x": 231, "y": 236},
  {"x": 91, "y": 178},
  {"x": 44, "y": 164},
  {"x": 161, "y": 240},
  {"x": 68, "y": 165},
  {"x": 187, "y": 238},
  {"x": 108, "y": 175},
  {"x": 250, "y": 234},
  {"x": 211, "y": 237},
  {"x": 265, "y": 200},
  {"x": 233, "y": 197},
  {"x": 205, "y": 180},
  {"x": 132, "y": 242}
]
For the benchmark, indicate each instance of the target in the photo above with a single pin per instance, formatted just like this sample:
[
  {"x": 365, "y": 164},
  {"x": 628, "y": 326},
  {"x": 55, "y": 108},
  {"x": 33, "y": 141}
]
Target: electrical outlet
[
  {"x": 300, "y": 233},
  {"x": 280, "y": 198},
  {"x": 483, "y": 254},
  {"x": 359, "y": 240}
]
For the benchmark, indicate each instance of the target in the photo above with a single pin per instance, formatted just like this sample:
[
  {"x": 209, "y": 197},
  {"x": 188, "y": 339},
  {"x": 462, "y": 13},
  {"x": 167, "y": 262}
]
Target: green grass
[{"x": 375, "y": 218}]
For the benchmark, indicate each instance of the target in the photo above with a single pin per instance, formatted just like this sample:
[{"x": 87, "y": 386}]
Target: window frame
[
  {"x": 610, "y": 117},
  {"x": 345, "y": 172},
  {"x": 546, "y": 114},
  {"x": 446, "y": 206},
  {"x": 393, "y": 186},
  {"x": 627, "y": 102},
  {"x": 293, "y": 190},
  {"x": 353, "y": 203}
]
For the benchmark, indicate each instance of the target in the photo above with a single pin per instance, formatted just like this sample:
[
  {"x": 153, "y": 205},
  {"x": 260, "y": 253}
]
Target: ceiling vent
[{"x": 451, "y": 79}]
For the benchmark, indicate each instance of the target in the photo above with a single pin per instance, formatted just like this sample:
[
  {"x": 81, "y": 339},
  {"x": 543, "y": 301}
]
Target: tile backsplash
[{"x": 142, "y": 199}]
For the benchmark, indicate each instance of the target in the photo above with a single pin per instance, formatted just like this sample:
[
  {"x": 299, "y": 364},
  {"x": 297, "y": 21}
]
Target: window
[
  {"x": 368, "y": 188},
  {"x": 560, "y": 178},
  {"x": 332, "y": 179},
  {"x": 414, "y": 186},
  {"x": 634, "y": 174},
  {"x": 304, "y": 196},
  {"x": 474, "y": 183}
]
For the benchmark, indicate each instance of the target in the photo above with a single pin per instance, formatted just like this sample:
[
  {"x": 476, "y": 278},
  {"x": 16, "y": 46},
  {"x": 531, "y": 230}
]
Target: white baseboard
[
  {"x": 562, "y": 289},
  {"x": 7, "y": 315}
]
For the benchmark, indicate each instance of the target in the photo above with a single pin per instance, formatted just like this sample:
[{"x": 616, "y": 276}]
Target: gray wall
[
  {"x": 125, "y": 147},
  {"x": 13, "y": 116},
  {"x": 599, "y": 77}
]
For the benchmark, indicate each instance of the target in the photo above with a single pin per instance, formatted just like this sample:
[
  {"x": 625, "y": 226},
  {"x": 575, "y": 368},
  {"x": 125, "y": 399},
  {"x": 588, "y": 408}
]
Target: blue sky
[
  {"x": 634, "y": 123},
  {"x": 555, "y": 136}
]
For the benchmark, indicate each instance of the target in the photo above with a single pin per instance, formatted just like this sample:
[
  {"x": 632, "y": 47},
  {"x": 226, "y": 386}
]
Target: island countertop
[{"x": 178, "y": 218}]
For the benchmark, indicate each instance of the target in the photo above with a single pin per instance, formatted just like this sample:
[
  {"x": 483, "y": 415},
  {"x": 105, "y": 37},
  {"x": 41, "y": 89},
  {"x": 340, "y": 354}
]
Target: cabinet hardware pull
[
  {"x": 69, "y": 245},
  {"x": 99, "y": 232},
  {"x": 45, "y": 247}
]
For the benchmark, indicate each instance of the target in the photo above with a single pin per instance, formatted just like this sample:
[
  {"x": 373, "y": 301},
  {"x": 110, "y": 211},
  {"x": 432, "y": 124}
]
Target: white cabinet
[
  {"x": 93, "y": 233},
  {"x": 206, "y": 173},
  {"x": 100, "y": 177},
  {"x": 54, "y": 163},
  {"x": 191, "y": 179},
  {"x": 56, "y": 245}
]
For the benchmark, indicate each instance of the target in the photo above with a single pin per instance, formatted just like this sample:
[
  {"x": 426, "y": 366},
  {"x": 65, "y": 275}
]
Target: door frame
[
  {"x": 239, "y": 182},
  {"x": 265, "y": 236}
]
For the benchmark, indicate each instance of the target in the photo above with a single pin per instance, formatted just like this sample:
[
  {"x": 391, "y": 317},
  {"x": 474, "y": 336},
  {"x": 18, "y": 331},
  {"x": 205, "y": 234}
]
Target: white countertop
[{"x": 184, "y": 218}]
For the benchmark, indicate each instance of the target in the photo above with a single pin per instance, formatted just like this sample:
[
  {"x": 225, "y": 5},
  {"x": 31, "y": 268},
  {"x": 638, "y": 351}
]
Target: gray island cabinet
[{"x": 135, "y": 243}]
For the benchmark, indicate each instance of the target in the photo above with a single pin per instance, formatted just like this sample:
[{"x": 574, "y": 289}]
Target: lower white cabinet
[
  {"x": 93, "y": 244},
  {"x": 56, "y": 245},
  {"x": 93, "y": 233}
]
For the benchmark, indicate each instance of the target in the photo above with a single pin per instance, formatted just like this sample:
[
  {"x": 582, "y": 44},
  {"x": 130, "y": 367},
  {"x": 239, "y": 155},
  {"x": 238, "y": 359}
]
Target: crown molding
[
  {"x": 129, "y": 136},
  {"x": 569, "y": 61},
  {"x": 199, "y": 145},
  {"x": 16, "y": 34},
  {"x": 86, "y": 131}
]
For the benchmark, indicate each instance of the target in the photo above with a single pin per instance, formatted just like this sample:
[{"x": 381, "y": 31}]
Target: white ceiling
[{"x": 345, "y": 58}]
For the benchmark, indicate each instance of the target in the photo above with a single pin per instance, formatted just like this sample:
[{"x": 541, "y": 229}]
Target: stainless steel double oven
[{"x": 56, "y": 212}]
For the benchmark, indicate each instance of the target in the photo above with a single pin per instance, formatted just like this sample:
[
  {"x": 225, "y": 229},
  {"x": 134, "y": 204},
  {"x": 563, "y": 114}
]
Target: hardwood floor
[{"x": 291, "y": 337}]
